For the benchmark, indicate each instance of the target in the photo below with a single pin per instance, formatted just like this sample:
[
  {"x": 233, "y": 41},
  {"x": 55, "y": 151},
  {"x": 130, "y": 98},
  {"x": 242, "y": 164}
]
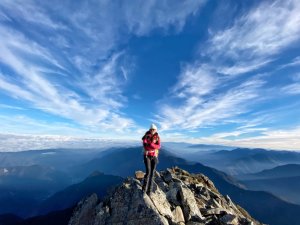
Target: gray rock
[
  {"x": 229, "y": 219},
  {"x": 180, "y": 198},
  {"x": 190, "y": 208},
  {"x": 167, "y": 176},
  {"x": 213, "y": 203},
  {"x": 213, "y": 211},
  {"x": 178, "y": 215},
  {"x": 84, "y": 210},
  {"x": 177, "y": 180},
  {"x": 173, "y": 195},
  {"x": 161, "y": 203},
  {"x": 161, "y": 184},
  {"x": 204, "y": 192}
]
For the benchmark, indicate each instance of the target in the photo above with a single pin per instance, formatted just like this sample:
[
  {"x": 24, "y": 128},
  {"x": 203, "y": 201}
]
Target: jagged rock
[
  {"x": 213, "y": 211},
  {"x": 190, "y": 208},
  {"x": 173, "y": 195},
  {"x": 128, "y": 204},
  {"x": 160, "y": 182},
  {"x": 213, "y": 203},
  {"x": 179, "y": 198},
  {"x": 229, "y": 219},
  {"x": 178, "y": 215},
  {"x": 162, "y": 204},
  {"x": 84, "y": 211},
  {"x": 167, "y": 176}
]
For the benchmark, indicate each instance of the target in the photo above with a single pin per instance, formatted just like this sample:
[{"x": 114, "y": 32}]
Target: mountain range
[
  {"x": 24, "y": 187},
  {"x": 97, "y": 182},
  {"x": 255, "y": 202},
  {"x": 122, "y": 162},
  {"x": 282, "y": 181},
  {"x": 243, "y": 160}
]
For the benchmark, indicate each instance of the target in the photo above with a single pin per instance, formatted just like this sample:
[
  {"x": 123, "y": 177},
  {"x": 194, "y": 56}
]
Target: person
[{"x": 151, "y": 143}]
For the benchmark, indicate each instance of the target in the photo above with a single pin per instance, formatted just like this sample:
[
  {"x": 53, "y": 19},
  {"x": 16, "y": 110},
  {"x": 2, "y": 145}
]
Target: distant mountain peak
[{"x": 179, "y": 198}]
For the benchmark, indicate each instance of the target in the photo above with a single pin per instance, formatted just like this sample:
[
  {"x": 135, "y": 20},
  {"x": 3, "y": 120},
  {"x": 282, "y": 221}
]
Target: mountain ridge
[
  {"x": 255, "y": 202},
  {"x": 179, "y": 198}
]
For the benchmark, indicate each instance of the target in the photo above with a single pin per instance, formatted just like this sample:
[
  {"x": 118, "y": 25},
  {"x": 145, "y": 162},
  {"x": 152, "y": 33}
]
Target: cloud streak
[
  {"x": 204, "y": 93},
  {"x": 269, "y": 139},
  {"x": 70, "y": 60},
  {"x": 15, "y": 143},
  {"x": 254, "y": 39},
  {"x": 68, "y": 64},
  {"x": 201, "y": 104}
]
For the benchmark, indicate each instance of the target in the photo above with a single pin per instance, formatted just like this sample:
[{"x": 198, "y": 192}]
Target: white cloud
[
  {"x": 237, "y": 133},
  {"x": 33, "y": 86},
  {"x": 296, "y": 77},
  {"x": 15, "y": 90},
  {"x": 256, "y": 37},
  {"x": 242, "y": 67},
  {"x": 200, "y": 100},
  {"x": 195, "y": 81},
  {"x": 76, "y": 43},
  {"x": 4, "y": 17},
  {"x": 28, "y": 125},
  {"x": 142, "y": 16},
  {"x": 204, "y": 95},
  {"x": 292, "y": 89},
  {"x": 271, "y": 139},
  {"x": 105, "y": 86},
  {"x": 92, "y": 27},
  {"x": 4, "y": 106},
  {"x": 29, "y": 12},
  {"x": 136, "y": 97},
  {"x": 17, "y": 142},
  {"x": 295, "y": 62}
]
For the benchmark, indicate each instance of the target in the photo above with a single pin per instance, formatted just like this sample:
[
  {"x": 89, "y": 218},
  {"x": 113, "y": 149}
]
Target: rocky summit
[{"x": 178, "y": 198}]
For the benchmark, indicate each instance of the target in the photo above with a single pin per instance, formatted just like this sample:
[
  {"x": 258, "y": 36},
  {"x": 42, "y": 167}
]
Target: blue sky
[{"x": 215, "y": 72}]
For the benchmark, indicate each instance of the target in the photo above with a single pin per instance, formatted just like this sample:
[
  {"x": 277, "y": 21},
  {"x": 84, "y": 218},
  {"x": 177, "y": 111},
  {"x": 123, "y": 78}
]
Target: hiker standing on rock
[{"x": 151, "y": 143}]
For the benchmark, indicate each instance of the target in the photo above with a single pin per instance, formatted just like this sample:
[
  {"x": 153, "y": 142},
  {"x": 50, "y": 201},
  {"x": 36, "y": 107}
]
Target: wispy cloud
[
  {"x": 72, "y": 67},
  {"x": 201, "y": 104},
  {"x": 11, "y": 107},
  {"x": 292, "y": 89},
  {"x": 21, "y": 142},
  {"x": 42, "y": 91},
  {"x": 205, "y": 95},
  {"x": 296, "y": 77},
  {"x": 142, "y": 16},
  {"x": 29, "y": 12},
  {"x": 255, "y": 38},
  {"x": 294, "y": 62},
  {"x": 288, "y": 139}
]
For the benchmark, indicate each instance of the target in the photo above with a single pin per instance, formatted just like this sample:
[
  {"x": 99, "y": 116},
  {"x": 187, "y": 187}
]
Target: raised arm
[{"x": 155, "y": 145}]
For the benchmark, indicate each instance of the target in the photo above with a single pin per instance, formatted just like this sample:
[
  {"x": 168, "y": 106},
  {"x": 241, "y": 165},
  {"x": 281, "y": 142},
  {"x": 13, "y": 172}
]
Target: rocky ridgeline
[{"x": 179, "y": 198}]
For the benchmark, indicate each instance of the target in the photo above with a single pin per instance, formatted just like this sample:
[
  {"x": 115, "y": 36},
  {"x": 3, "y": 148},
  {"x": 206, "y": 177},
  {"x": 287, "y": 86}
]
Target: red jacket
[{"x": 151, "y": 143}]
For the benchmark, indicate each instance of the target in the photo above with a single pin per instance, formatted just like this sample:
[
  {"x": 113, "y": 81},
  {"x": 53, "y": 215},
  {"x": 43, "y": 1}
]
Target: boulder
[{"x": 190, "y": 208}]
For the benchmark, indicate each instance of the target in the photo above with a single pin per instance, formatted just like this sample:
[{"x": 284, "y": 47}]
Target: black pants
[{"x": 150, "y": 164}]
